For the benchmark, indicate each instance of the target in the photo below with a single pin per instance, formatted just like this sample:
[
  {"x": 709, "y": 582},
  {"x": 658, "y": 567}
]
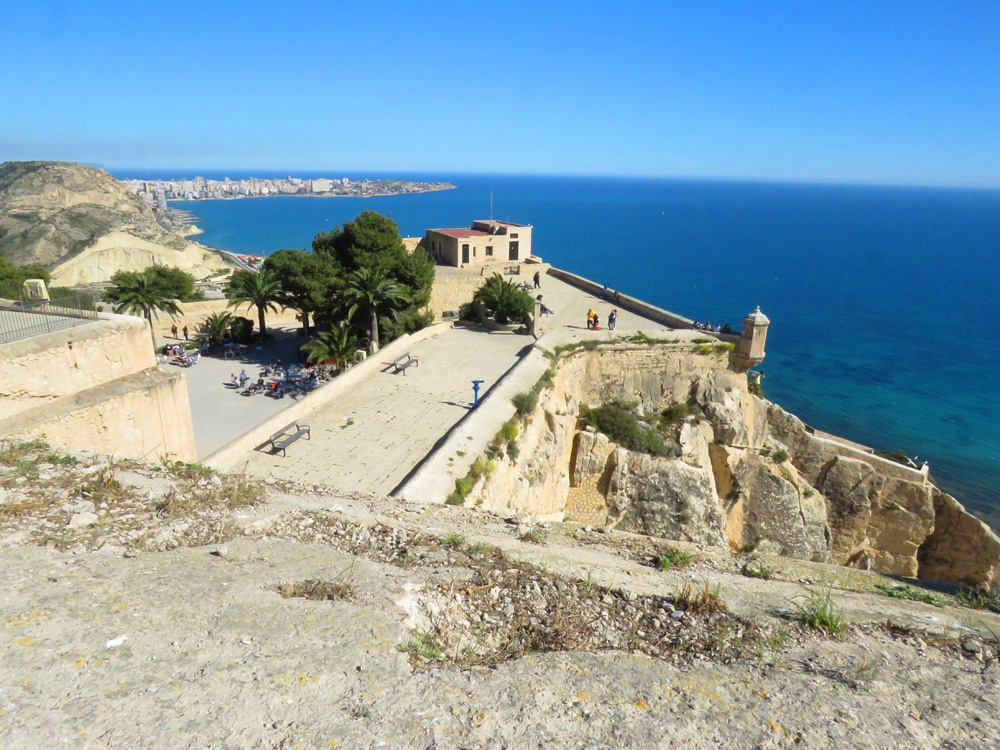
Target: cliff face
[
  {"x": 81, "y": 224},
  {"x": 828, "y": 502}
]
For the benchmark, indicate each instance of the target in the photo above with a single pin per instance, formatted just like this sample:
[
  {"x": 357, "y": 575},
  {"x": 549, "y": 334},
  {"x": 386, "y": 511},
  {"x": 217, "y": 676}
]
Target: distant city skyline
[{"x": 875, "y": 92}]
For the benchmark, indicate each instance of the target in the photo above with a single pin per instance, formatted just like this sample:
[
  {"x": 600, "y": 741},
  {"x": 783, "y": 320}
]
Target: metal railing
[{"x": 22, "y": 317}]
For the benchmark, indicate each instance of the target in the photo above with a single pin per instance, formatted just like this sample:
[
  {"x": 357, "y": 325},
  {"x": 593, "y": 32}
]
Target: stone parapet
[{"x": 54, "y": 365}]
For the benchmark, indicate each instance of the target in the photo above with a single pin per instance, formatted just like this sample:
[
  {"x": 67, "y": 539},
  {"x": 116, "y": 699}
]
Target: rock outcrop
[
  {"x": 83, "y": 226},
  {"x": 824, "y": 500}
]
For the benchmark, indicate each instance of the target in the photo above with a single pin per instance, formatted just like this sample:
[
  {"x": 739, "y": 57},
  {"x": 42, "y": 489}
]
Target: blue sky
[{"x": 899, "y": 92}]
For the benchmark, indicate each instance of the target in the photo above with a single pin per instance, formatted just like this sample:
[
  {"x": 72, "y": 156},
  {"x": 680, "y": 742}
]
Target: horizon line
[{"x": 856, "y": 182}]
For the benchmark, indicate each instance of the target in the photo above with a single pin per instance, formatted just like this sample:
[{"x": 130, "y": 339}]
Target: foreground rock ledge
[{"x": 119, "y": 634}]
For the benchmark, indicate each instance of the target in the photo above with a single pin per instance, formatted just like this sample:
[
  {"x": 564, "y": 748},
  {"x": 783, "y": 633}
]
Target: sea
[{"x": 882, "y": 299}]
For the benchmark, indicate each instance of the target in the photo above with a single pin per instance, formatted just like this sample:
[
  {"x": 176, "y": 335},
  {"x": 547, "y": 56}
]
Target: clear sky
[{"x": 902, "y": 92}]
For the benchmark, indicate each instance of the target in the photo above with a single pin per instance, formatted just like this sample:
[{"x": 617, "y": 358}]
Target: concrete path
[{"x": 371, "y": 438}]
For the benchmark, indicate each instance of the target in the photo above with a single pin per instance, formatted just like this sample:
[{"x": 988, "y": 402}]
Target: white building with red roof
[{"x": 488, "y": 241}]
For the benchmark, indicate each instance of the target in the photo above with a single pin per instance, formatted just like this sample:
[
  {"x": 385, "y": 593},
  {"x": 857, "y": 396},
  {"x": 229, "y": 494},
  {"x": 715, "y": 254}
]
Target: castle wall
[
  {"x": 53, "y": 365},
  {"x": 143, "y": 415}
]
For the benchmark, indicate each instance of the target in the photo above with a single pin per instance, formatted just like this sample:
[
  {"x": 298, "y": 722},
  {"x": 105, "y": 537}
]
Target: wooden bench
[
  {"x": 288, "y": 435},
  {"x": 401, "y": 363}
]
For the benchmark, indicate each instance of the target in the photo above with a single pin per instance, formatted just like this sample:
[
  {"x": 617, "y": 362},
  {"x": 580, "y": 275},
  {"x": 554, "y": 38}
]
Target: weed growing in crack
[{"x": 818, "y": 610}]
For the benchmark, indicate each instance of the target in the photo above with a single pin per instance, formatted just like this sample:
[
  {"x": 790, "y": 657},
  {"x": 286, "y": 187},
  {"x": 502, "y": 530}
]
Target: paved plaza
[
  {"x": 220, "y": 414},
  {"x": 372, "y": 436}
]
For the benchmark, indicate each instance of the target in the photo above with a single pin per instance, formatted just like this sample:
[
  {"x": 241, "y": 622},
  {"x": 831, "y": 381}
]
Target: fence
[{"x": 22, "y": 317}]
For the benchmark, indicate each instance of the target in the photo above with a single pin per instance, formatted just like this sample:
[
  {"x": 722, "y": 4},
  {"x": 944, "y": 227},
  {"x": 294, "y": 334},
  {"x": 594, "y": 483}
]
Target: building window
[
  {"x": 489, "y": 249},
  {"x": 514, "y": 236}
]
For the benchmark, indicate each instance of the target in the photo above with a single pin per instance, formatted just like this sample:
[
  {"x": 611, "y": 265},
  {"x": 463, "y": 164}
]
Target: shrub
[
  {"x": 704, "y": 348},
  {"x": 677, "y": 413},
  {"x": 525, "y": 403},
  {"x": 505, "y": 300},
  {"x": 779, "y": 456},
  {"x": 617, "y": 422}
]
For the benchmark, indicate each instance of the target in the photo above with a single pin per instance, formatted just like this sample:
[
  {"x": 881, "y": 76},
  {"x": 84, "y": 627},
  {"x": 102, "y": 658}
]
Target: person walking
[
  {"x": 538, "y": 280},
  {"x": 185, "y": 333},
  {"x": 590, "y": 318},
  {"x": 613, "y": 320}
]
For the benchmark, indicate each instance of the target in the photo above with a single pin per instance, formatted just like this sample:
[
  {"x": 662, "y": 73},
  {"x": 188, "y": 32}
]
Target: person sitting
[
  {"x": 718, "y": 328},
  {"x": 232, "y": 379},
  {"x": 696, "y": 325},
  {"x": 546, "y": 310},
  {"x": 726, "y": 328}
]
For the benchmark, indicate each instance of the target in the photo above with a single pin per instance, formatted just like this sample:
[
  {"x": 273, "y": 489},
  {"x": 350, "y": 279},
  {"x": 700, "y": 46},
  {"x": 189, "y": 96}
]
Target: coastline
[{"x": 316, "y": 195}]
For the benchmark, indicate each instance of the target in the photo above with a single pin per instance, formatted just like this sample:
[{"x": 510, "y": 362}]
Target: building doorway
[
  {"x": 465, "y": 253},
  {"x": 513, "y": 251}
]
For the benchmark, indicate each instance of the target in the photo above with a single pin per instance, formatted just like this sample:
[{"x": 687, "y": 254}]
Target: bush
[
  {"x": 779, "y": 456},
  {"x": 677, "y": 413},
  {"x": 622, "y": 426},
  {"x": 505, "y": 300},
  {"x": 241, "y": 329},
  {"x": 525, "y": 403}
]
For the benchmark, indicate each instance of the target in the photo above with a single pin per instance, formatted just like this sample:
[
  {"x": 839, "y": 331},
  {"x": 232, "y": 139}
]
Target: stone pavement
[
  {"x": 218, "y": 413},
  {"x": 370, "y": 439}
]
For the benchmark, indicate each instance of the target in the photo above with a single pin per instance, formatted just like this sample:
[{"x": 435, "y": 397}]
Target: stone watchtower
[{"x": 750, "y": 350}]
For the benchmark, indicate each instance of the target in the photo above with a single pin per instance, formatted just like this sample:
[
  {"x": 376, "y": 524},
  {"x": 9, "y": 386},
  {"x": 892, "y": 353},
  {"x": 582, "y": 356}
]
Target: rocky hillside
[
  {"x": 734, "y": 471},
  {"x": 164, "y": 606},
  {"x": 82, "y": 224}
]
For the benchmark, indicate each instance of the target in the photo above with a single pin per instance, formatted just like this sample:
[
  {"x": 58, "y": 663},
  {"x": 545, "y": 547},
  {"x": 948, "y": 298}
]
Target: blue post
[{"x": 475, "y": 389}]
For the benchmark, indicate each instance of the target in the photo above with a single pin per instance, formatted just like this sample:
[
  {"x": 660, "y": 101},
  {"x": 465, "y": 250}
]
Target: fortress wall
[
  {"x": 143, "y": 415},
  {"x": 54, "y": 365},
  {"x": 193, "y": 313},
  {"x": 450, "y": 293}
]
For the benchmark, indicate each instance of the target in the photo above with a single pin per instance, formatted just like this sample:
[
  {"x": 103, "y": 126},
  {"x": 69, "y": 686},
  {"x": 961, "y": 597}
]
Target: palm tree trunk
[
  {"x": 260, "y": 320},
  {"x": 152, "y": 333},
  {"x": 375, "y": 329}
]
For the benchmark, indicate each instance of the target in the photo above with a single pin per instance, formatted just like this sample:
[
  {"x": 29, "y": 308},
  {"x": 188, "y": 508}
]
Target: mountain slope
[{"x": 56, "y": 212}]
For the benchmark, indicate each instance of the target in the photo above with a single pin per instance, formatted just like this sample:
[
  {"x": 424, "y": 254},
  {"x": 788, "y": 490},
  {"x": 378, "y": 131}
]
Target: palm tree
[
  {"x": 335, "y": 344},
  {"x": 141, "y": 294},
  {"x": 504, "y": 299},
  {"x": 261, "y": 290},
  {"x": 369, "y": 289},
  {"x": 216, "y": 326}
]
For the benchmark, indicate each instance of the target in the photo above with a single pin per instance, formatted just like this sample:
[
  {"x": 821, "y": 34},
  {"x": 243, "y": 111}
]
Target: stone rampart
[
  {"x": 142, "y": 415},
  {"x": 62, "y": 363},
  {"x": 193, "y": 313}
]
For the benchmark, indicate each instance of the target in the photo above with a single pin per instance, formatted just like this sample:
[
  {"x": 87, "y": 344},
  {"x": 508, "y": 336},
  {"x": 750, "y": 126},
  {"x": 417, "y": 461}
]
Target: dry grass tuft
[{"x": 699, "y": 601}]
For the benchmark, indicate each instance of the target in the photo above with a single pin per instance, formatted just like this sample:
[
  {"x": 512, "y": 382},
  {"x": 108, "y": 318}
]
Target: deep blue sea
[{"x": 882, "y": 300}]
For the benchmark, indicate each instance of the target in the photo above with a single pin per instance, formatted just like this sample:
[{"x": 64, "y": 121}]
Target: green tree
[
  {"x": 139, "y": 294},
  {"x": 306, "y": 280},
  {"x": 256, "y": 289},
  {"x": 372, "y": 292},
  {"x": 175, "y": 283},
  {"x": 372, "y": 241},
  {"x": 335, "y": 344},
  {"x": 216, "y": 326},
  {"x": 504, "y": 299},
  {"x": 11, "y": 274}
]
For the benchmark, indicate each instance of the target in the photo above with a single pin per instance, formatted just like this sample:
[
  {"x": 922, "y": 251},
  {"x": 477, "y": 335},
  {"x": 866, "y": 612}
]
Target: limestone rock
[{"x": 664, "y": 497}]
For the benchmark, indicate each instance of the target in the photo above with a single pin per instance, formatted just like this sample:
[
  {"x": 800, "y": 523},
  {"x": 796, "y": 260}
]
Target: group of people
[
  {"x": 594, "y": 320},
  {"x": 174, "y": 332},
  {"x": 707, "y": 326}
]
